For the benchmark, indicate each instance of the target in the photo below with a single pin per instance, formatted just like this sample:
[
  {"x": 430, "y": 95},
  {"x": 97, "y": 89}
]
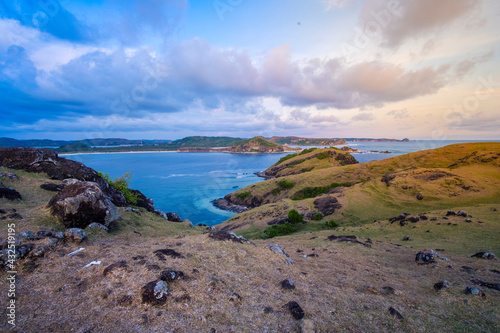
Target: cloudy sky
[{"x": 166, "y": 69}]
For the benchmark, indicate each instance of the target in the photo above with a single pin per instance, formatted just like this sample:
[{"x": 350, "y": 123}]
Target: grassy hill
[
  {"x": 257, "y": 144},
  {"x": 298, "y": 141}
]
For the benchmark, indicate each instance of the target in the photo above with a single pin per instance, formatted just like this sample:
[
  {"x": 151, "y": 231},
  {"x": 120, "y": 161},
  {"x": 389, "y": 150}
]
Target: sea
[{"x": 187, "y": 183}]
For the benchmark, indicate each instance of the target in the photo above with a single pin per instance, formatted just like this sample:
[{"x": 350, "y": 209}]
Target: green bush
[
  {"x": 285, "y": 185},
  {"x": 318, "y": 217},
  {"x": 243, "y": 195},
  {"x": 276, "y": 191},
  {"x": 307, "y": 151},
  {"x": 121, "y": 184},
  {"x": 323, "y": 155},
  {"x": 286, "y": 157},
  {"x": 295, "y": 217},
  {"x": 278, "y": 230},
  {"x": 331, "y": 224}
]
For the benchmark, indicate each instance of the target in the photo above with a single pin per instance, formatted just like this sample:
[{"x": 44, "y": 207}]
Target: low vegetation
[
  {"x": 122, "y": 184},
  {"x": 278, "y": 230}
]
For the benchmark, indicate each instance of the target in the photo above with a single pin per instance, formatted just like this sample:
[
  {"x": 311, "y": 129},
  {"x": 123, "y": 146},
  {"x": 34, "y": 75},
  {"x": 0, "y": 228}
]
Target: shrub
[
  {"x": 306, "y": 169},
  {"x": 323, "y": 155},
  {"x": 295, "y": 217},
  {"x": 318, "y": 217},
  {"x": 331, "y": 224},
  {"x": 307, "y": 151},
  {"x": 276, "y": 191},
  {"x": 285, "y": 185},
  {"x": 312, "y": 192},
  {"x": 278, "y": 230},
  {"x": 121, "y": 184},
  {"x": 286, "y": 157},
  {"x": 243, "y": 195}
]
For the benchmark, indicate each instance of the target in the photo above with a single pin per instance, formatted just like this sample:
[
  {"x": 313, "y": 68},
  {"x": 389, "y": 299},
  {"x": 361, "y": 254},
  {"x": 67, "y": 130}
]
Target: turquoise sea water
[{"x": 186, "y": 183}]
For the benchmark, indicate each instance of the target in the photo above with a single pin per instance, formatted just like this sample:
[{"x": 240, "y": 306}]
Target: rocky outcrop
[
  {"x": 82, "y": 203},
  {"x": 327, "y": 205},
  {"x": 143, "y": 201},
  {"x": 9, "y": 194},
  {"x": 226, "y": 204}
]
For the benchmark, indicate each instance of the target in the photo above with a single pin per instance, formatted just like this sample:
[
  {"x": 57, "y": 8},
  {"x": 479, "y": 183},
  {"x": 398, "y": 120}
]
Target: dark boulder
[
  {"x": 120, "y": 265},
  {"x": 13, "y": 216},
  {"x": 484, "y": 255},
  {"x": 414, "y": 219},
  {"x": 388, "y": 178},
  {"x": 97, "y": 226},
  {"x": 288, "y": 284},
  {"x": 173, "y": 217},
  {"x": 23, "y": 250},
  {"x": 462, "y": 213},
  {"x": 450, "y": 213},
  {"x": 226, "y": 204},
  {"x": 420, "y": 196},
  {"x": 52, "y": 187},
  {"x": 44, "y": 234},
  {"x": 82, "y": 203},
  {"x": 162, "y": 253},
  {"x": 143, "y": 201},
  {"x": 9, "y": 194},
  {"x": 395, "y": 313},
  {"x": 231, "y": 236},
  {"x": 171, "y": 275},
  {"x": 327, "y": 205},
  {"x": 155, "y": 292},
  {"x": 441, "y": 285},
  {"x": 295, "y": 310},
  {"x": 279, "y": 220}
]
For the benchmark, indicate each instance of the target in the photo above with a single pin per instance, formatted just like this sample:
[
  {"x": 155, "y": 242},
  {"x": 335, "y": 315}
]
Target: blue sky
[{"x": 321, "y": 68}]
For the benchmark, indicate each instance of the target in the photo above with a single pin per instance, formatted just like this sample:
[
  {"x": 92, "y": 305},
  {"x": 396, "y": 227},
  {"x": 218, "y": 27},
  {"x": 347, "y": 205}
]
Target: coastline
[{"x": 117, "y": 152}]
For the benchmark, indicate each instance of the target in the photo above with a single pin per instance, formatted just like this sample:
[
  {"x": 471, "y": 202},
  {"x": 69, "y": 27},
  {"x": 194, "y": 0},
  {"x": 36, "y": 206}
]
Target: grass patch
[
  {"x": 243, "y": 195},
  {"x": 312, "y": 192},
  {"x": 331, "y": 224}
]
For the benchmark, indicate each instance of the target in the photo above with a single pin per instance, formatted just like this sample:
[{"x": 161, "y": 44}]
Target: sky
[{"x": 167, "y": 69}]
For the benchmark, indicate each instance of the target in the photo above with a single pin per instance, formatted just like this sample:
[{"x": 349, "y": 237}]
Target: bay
[{"x": 187, "y": 183}]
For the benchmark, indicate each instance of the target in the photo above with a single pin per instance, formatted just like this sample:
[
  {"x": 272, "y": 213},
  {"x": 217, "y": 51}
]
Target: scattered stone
[
  {"x": 161, "y": 213},
  {"x": 38, "y": 252},
  {"x": 82, "y": 203},
  {"x": 282, "y": 220},
  {"x": 173, "y": 217},
  {"x": 9, "y": 194},
  {"x": 117, "y": 265},
  {"x": 423, "y": 217},
  {"x": 279, "y": 250},
  {"x": 441, "y": 285},
  {"x": 489, "y": 285},
  {"x": 9, "y": 175},
  {"x": 420, "y": 196},
  {"x": 162, "y": 253},
  {"x": 226, "y": 204},
  {"x": 52, "y": 187},
  {"x": 473, "y": 291},
  {"x": 268, "y": 310},
  {"x": 462, "y": 213},
  {"x": 132, "y": 210},
  {"x": 13, "y": 216},
  {"x": 468, "y": 269},
  {"x": 95, "y": 225},
  {"x": 388, "y": 290},
  {"x": 155, "y": 292},
  {"x": 43, "y": 234},
  {"x": 125, "y": 300},
  {"x": 468, "y": 220},
  {"x": 413, "y": 219},
  {"x": 235, "y": 297},
  {"x": 288, "y": 284},
  {"x": 59, "y": 235},
  {"x": 224, "y": 235},
  {"x": 428, "y": 256},
  {"x": 171, "y": 275},
  {"x": 406, "y": 238},
  {"x": 327, "y": 205},
  {"x": 29, "y": 235},
  {"x": 295, "y": 310},
  {"x": 24, "y": 250},
  {"x": 143, "y": 201},
  {"x": 75, "y": 235},
  {"x": 52, "y": 242},
  {"x": 484, "y": 255},
  {"x": 347, "y": 238},
  {"x": 450, "y": 213},
  {"x": 395, "y": 313}
]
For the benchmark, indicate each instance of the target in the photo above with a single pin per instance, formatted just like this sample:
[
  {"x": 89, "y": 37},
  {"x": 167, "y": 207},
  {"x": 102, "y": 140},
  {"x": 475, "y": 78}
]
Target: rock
[
  {"x": 462, "y": 213},
  {"x": 420, "y": 196},
  {"x": 413, "y": 219},
  {"x": 423, "y": 217},
  {"x": 468, "y": 220},
  {"x": 406, "y": 238},
  {"x": 388, "y": 178},
  {"x": 288, "y": 284},
  {"x": 428, "y": 256},
  {"x": 155, "y": 293},
  {"x": 173, "y": 217},
  {"x": 38, "y": 252},
  {"x": 162, "y": 253},
  {"x": 395, "y": 313},
  {"x": 13, "y": 216},
  {"x": 143, "y": 201},
  {"x": 295, "y": 310},
  {"x": 489, "y": 285},
  {"x": 82, "y": 203},
  {"x": 59, "y": 235},
  {"x": 133, "y": 210},
  {"x": 24, "y": 250},
  {"x": 115, "y": 266},
  {"x": 280, "y": 220},
  {"x": 95, "y": 225},
  {"x": 268, "y": 310},
  {"x": 484, "y": 255},
  {"x": 327, "y": 205},
  {"x": 75, "y": 235},
  {"x": 160, "y": 213},
  {"x": 226, "y": 204},
  {"x": 388, "y": 290},
  {"x": 4, "y": 258},
  {"x": 52, "y": 242},
  {"x": 43, "y": 234},
  {"x": 473, "y": 291},
  {"x": 450, "y": 213},
  {"x": 235, "y": 297},
  {"x": 441, "y": 285},
  {"x": 347, "y": 238},
  {"x": 52, "y": 187},
  {"x": 171, "y": 275},
  {"x": 9, "y": 194},
  {"x": 224, "y": 236},
  {"x": 9, "y": 175},
  {"x": 279, "y": 250},
  {"x": 29, "y": 235}
]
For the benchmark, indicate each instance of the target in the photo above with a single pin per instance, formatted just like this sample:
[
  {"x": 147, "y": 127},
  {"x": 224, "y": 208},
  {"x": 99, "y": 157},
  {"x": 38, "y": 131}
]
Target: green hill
[{"x": 257, "y": 144}]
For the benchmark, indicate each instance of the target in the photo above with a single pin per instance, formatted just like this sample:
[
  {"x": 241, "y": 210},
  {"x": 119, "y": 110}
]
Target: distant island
[
  {"x": 298, "y": 141},
  {"x": 376, "y": 140}
]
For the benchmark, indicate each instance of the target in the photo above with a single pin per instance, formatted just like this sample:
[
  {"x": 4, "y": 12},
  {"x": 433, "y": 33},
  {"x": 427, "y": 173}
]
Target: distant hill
[
  {"x": 298, "y": 141},
  {"x": 205, "y": 141},
  {"x": 257, "y": 144},
  {"x": 10, "y": 143},
  {"x": 376, "y": 140}
]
